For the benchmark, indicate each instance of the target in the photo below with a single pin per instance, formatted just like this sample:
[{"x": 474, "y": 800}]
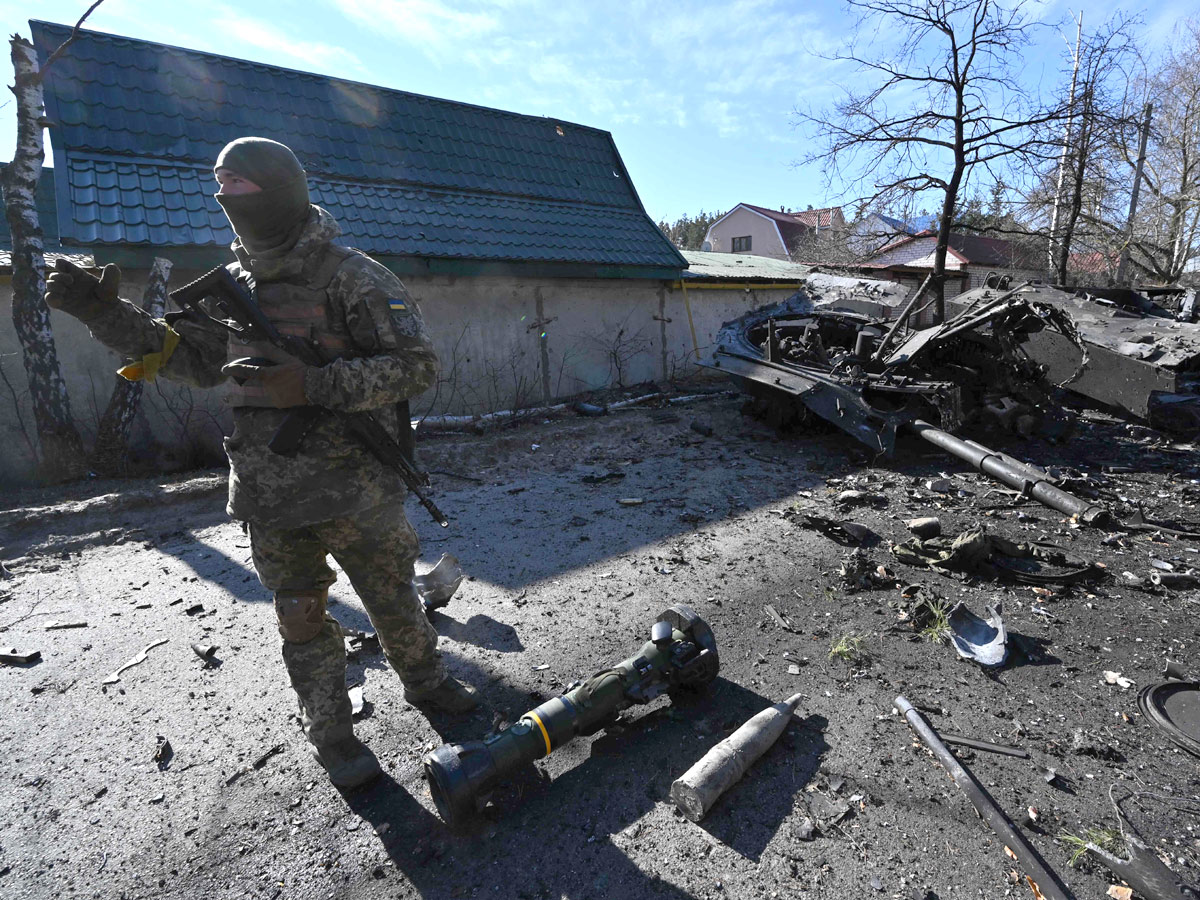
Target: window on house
[{"x": 741, "y": 244}]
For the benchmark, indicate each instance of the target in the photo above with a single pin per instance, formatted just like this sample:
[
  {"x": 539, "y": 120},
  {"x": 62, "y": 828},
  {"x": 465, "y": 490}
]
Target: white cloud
[
  {"x": 258, "y": 36},
  {"x": 427, "y": 25}
]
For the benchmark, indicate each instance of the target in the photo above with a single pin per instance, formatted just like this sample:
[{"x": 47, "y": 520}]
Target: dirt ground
[{"x": 565, "y": 580}]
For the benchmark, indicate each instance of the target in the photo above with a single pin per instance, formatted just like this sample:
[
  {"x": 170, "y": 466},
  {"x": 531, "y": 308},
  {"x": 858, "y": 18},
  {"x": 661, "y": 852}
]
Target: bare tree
[
  {"x": 62, "y": 449},
  {"x": 109, "y": 454},
  {"x": 943, "y": 107},
  {"x": 1098, "y": 114},
  {"x": 1166, "y": 235}
]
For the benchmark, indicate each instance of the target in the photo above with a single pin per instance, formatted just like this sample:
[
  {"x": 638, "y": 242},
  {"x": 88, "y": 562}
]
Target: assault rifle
[{"x": 247, "y": 321}]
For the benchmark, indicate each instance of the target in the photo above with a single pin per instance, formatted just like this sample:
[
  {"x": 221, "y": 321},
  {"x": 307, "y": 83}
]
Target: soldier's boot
[
  {"x": 451, "y": 695},
  {"x": 316, "y": 666}
]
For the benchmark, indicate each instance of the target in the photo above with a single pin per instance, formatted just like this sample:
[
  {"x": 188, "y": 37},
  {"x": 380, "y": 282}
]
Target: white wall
[
  {"x": 742, "y": 222},
  {"x": 487, "y": 331}
]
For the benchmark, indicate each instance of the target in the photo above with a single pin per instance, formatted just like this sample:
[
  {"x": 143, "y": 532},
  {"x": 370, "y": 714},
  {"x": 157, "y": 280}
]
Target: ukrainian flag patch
[{"x": 397, "y": 304}]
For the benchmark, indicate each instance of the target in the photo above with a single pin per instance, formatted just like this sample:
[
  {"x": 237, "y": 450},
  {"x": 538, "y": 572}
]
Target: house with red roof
[
  {"x": 778, "y": 234},
  {"x": 969, "y": 259}
]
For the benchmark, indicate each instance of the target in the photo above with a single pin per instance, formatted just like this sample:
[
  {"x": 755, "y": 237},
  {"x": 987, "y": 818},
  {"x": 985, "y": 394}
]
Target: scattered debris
[
  {"x": 988, "y": 746},
  {"x": 195, "y": 609},
  {"x": 927, "y": 527},
  {"x": 136, "y": 661},
  {"x": 163, "y": 753},
  {"x": 860, "y": 498},
  {"x": 804, "y": 828},
  {"x": 1041, "y": 879},
  {"x": 778, "y": 618},
  {"x": 980, "y": 553},
  {"x": 1143, "y": 870},
  {"x": 720, "y": 768},
  {"x": 257, "y": 764},
  {"x": 55, "y": 625},
  {"x": 1119, "y": 893},
  {"x": 1084, "y": 744},
  {"x": 827, "y": 811},
  {"x": 14, "y": 657},
  {"x": 1176, "y": 581},
  {"x": 1118, "y": 679},
  {"x": 437, "y": 586},
  {"x": 984, "y": 641},
  {"x": 357, "y": 703},
  {"x": 859, "y": 572},
  {"x": 206, "y": 652},
  {"x": 604, "y": 478},
  {"x": 843, "y": 532},
  {"x": 631, "y": 501},
  {"x": 359, "y": 643}
]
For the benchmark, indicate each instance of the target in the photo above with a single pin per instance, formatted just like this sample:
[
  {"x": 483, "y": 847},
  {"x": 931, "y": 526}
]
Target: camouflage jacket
[{"x": 390, "y": 358}]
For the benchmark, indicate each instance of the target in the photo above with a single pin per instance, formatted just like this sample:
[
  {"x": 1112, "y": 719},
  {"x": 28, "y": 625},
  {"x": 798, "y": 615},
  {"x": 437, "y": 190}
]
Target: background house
[
  {"x": 772, "y": 233},
  {"x": 969, "y": 259},
  {"x": 536, "y": 267},
  {"x": 873, "y": 231}
]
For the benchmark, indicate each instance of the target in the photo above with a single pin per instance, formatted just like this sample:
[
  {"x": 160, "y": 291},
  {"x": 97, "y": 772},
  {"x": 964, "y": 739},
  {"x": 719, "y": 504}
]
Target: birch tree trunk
[
  {"x": 110, "y": 454},
  {"x": 61, "y": 447}
]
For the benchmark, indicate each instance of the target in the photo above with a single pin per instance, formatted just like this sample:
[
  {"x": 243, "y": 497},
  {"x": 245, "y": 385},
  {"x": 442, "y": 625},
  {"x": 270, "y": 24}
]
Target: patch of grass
[
  {"x": 937, "y": 621},
  {"x": 849, "y": 648},
  {"x": 1105, "y": 838}
]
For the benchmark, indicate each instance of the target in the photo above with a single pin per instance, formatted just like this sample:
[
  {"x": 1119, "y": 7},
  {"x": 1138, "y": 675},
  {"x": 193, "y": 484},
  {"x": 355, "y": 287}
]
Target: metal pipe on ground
[
  {"x": 1035, "y": 473},
  {"x": 1036, "y": 870},
  {"x": 993, "y": 464}
]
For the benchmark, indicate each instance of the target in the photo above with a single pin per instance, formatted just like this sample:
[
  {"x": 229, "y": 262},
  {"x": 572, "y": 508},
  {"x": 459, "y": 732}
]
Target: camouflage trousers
[{"x": 376, "y": 549}]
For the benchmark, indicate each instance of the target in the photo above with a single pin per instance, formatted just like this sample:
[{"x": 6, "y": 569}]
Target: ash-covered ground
[{"x": 564, "y": 580}]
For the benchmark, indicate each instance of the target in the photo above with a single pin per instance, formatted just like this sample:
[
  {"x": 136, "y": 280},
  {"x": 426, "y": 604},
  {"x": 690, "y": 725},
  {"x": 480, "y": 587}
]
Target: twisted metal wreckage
[{"x": 870, "y": 380}]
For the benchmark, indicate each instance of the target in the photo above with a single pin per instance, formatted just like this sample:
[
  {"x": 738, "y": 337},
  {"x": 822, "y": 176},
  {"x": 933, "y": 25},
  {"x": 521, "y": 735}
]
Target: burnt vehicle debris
[
  {"x": 1140, "y": 356},
  {"x": 797, "y": 359},
  {"x": 801, "y": 357}
]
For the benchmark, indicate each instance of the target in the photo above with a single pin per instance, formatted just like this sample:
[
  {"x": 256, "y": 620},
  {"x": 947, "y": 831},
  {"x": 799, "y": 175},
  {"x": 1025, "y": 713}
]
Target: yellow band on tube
[
  {"x": 147, "y": 369},
  {"x": 542, "y": 729}
]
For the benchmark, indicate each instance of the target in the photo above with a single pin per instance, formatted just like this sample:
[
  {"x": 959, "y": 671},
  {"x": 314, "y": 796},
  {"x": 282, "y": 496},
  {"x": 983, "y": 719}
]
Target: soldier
[{"x": 333, "y": 497}]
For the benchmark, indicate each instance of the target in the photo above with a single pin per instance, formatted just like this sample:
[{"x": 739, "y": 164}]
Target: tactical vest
[{"x": 300, "y": 306}]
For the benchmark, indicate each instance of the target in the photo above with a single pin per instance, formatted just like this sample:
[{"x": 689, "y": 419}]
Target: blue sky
[{"x": 698, "y": 95}]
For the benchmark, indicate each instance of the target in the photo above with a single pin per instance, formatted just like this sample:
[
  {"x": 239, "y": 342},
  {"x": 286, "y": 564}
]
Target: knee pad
[{"x": 301, "y": 614}]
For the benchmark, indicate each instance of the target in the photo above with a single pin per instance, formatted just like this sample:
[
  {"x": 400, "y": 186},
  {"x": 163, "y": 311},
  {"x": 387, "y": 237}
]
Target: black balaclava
[{"x": 270, "y": 219}]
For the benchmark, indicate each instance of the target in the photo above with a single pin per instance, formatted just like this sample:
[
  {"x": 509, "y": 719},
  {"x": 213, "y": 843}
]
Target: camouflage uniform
[{"x": 333, "y": 496}]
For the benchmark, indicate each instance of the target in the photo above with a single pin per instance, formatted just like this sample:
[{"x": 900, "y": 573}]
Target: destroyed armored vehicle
[
  {"x": 1139, "y": 356},
  {"x": 870, "y": 379}
]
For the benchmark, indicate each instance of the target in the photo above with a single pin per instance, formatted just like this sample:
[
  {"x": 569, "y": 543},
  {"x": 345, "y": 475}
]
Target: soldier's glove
[
  {"x": 85, "y": 293},
  {"x": 282, "y": 384}
]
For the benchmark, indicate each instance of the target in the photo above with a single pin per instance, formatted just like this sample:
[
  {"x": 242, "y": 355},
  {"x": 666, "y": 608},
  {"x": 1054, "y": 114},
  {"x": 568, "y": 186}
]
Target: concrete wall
[
  {"x": 177, "y": 427},
  {"x": 504, "y": 343},
  {"x": 764, "y": 236}
]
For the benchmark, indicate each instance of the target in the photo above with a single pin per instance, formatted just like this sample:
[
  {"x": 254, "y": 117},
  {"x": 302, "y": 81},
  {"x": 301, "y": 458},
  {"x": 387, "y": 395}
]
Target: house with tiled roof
[
  {"x": 969, "y": 260},
  {"x": 777, "y": 234},
  {"x": 522, "y": 237},
  {"x": 421, "y": 183}
]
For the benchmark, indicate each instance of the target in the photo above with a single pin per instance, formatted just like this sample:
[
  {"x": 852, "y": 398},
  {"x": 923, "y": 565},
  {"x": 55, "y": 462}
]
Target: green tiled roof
[{"x": 137, "y": 126}]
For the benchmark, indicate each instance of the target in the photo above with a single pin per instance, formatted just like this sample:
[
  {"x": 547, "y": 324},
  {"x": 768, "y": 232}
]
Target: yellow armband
[{"x": 147, "y": 369}]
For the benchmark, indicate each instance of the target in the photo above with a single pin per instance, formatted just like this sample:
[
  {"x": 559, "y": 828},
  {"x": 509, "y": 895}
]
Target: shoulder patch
[{"x": 399, "y": 305}]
